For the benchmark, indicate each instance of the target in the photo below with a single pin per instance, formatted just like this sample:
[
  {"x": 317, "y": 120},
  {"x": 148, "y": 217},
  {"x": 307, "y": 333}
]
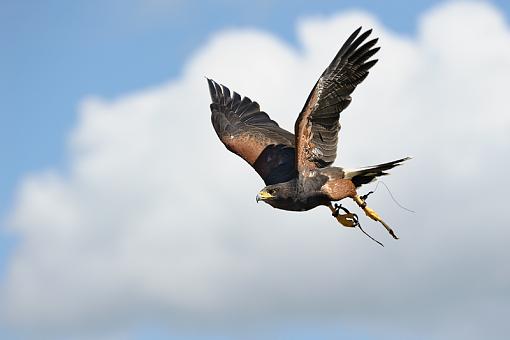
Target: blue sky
[{"x": 55, "y": 53}]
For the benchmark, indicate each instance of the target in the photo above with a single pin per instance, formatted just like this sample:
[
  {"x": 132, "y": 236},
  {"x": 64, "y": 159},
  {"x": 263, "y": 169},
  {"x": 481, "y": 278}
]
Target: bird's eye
[{"x": 272, "y": 191}]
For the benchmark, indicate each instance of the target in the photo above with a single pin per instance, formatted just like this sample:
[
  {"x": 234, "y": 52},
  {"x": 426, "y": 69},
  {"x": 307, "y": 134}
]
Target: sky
[{"x": 111, "y": 227}]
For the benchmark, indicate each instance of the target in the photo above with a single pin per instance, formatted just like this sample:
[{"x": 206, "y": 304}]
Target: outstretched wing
[
  {"x": 251, "y": 134},
  {"x": 318, "y": 124}
]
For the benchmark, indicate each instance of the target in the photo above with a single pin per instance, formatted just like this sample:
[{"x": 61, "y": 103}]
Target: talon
[{"x": 348, "y": 219}]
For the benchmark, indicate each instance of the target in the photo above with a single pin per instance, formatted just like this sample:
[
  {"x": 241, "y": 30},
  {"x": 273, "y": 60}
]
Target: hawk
[{"x": 296, "y": 168}]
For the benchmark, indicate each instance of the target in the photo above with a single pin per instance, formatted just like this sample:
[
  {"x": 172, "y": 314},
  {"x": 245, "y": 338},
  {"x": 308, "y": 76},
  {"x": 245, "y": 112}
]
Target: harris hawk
[{"x": 296, "y": 168}]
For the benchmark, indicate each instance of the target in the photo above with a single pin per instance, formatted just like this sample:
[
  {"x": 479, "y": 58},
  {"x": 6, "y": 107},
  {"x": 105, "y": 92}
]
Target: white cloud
[{"x": 154, "y": 219}]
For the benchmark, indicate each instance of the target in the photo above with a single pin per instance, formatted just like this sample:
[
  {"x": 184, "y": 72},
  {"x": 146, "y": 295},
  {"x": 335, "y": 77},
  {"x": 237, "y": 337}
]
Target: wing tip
[
  {"x": 212, "y": 90},
  {"x": 220, "y": 94}
]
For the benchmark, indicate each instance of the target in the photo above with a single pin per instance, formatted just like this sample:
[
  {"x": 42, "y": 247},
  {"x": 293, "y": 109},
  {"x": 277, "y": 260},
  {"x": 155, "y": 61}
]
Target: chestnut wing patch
[
  {"x": 252, "y": 134},
  {"x": 318, "y": 124}
]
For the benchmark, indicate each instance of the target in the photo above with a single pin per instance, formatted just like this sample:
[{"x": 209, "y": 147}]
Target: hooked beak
[{"x": 263, "y": 195}]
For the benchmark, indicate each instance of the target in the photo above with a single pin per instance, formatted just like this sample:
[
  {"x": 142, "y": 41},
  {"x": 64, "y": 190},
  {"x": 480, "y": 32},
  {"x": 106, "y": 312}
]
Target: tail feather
[{"x": 368, "y": 174}]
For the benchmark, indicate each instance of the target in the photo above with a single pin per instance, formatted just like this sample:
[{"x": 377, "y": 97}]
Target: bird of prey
[{"x": 296, "y": 168}]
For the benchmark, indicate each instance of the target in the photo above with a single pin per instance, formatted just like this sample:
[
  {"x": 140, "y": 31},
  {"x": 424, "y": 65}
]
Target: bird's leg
[
  {"x": 347, "y": 220},
  {"x": 372, "y": 214}
]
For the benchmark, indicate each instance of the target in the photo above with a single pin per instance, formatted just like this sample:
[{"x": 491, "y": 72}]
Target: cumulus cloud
[{"x": 153, "y": 219}]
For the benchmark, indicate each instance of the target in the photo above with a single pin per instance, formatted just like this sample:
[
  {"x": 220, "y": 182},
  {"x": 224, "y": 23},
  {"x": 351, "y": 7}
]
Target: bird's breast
[{"x": 337, "y": 189}]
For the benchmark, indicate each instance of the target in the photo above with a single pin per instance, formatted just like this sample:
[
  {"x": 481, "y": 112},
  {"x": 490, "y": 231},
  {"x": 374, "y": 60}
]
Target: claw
[{"x": 348, "y": 219}]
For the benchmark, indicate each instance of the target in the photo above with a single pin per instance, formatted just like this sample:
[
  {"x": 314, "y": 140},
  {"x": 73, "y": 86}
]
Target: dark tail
[{"x": 368, "y": 174}]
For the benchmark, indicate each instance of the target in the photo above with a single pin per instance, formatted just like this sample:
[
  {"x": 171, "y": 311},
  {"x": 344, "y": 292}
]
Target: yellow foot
[
  {"x": 373, "y": 215},
  {"x": 347, "y": 220}
]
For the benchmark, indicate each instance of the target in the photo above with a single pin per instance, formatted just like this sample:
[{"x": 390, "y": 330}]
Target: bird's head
[
  {"x": 267, "y": 194},
  {"x": 276, "y": 193}
]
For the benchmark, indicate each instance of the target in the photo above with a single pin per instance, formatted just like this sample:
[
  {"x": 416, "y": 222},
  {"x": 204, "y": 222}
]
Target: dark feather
[
  {"x": 318, "y": 123},
  {"x": 368, "y": 174},
  {"x": 252, "y": 134}
]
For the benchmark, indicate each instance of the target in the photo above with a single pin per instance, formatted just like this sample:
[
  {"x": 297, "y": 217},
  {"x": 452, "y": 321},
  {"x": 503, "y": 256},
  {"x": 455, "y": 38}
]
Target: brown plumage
[{"x": 297, "y": 168}]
